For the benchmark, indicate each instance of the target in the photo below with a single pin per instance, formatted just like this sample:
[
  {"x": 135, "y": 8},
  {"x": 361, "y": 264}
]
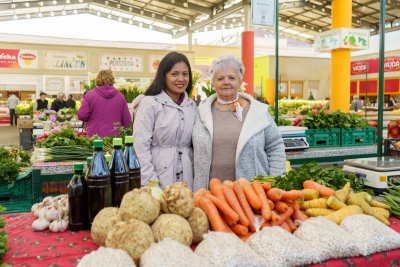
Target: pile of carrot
[{"x": 233, "y": 206}]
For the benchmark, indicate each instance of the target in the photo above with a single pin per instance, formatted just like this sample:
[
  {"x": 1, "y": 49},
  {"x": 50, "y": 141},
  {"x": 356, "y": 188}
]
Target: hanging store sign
[
  {"x": 132, "y": 63},
  {"x": 263, "y": 12},
  {"x": 390, "y": 64},
  {"x": 66, "y": 60},
  {"x": 18, "y": 59},
  {"x": 355, "y": 39}
]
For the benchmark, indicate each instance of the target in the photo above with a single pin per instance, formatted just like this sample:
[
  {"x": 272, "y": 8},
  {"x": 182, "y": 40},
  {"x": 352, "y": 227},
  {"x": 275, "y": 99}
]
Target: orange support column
[
  {"x": 340, "y": 59},
  {"x": 248, "y": 60}
]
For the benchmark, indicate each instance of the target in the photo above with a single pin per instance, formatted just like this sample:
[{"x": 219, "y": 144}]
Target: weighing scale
[
  {"x": 294, "y": 137},
  {"x": 376, "y": 172}
]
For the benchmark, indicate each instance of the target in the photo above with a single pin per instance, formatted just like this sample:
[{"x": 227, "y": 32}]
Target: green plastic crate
[
  {"x": 323, "y": 137},
  {"x": 358, "y": 137},
  {"x": 17, "y": 198},
  {"x": 48, "y": 185}
]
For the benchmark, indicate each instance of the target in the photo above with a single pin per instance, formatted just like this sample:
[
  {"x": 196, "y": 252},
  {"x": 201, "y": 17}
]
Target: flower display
[{"x": 65, "y": 114}]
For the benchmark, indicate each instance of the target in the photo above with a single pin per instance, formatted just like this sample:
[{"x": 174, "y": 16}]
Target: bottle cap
[
  {"x": 117, "y": 142},
  {"x": 78, "y": 166},
  {"x": 98, "y": 143},
  {"x": 108, "y": 158},
  {"x": 129, "y": 139},
  {"x": 89, "y": 160}
]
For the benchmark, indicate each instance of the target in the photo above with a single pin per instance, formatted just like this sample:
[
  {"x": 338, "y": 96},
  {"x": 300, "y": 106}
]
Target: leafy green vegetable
[
  {"x": 332, "y": 177},
  {"x": 3, "y": 238},
  {"x": 336, "y": 119},
  {"x": 10, "y": 163}
]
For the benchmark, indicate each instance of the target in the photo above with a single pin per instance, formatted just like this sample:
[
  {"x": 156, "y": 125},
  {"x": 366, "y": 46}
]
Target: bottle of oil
[
  {"x": 133, "y": 164},
  {"x": 99, "y": 182},
  {"x": 88, "y": 162},
  {"x": 77, "y": 198},
  {"x": 119, "y": 173}
]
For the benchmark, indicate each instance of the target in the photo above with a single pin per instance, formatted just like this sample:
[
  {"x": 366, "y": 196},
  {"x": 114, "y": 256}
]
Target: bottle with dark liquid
[
  {"x": 88, "y": 162},
  {"x": 133, "y": 164},
  {"x": 119, "y": 173},
  {"x": 77, "y": 198},
  {"x": 99, "y": 182}
]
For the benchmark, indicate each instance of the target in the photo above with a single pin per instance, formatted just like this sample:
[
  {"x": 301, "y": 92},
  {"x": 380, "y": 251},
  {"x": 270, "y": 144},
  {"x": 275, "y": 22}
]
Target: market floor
[{"x": 9, "y": 135}]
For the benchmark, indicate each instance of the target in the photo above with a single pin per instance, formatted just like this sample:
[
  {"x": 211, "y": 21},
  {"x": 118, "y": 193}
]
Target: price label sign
[{"x": 263, "y": 12}]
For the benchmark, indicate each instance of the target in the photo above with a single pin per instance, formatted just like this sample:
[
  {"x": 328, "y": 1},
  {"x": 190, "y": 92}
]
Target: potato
[
  {"x": 173, "y": 226},
  {"x": 199, "y": 223},
  {"x": 135, "y": 237},
  {"x": 102, "y": 224},
  {"x": 141, "y": 205}
]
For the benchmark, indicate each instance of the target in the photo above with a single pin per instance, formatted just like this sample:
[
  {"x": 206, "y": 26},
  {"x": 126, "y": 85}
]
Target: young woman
[
  {"x": 234, "y": 135},
  {"x": 163, "y": 124}
]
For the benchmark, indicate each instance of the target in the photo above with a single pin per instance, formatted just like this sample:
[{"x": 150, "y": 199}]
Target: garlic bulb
[
  {"x": 40, "y": 212},
  {"x": 40, "y": 224},
  {"x": 35, "y": 207},
  {"x": 53, "y": 213},
  {"x": 58, "y": 225},
  {"x": 47, "y": 201}
]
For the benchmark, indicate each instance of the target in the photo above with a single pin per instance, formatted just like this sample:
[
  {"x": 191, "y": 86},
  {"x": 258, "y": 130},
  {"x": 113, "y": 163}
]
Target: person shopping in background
[
  {"x": 12, "y": 102},
  {"x": 70, "y": 103},
  {"x": 163, "y": 124},
  {"x": 104, "y": 109},
  {"x": 356, "y": 105},
  {"x": 234, "y": 136},
  {"x": 41, "y": 103},
  {"x": 59, "y": 102}
]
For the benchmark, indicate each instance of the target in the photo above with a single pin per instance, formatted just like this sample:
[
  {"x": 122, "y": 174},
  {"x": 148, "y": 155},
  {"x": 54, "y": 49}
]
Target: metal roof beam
[
  {"x": 211, "y": 19},
  {"x": 187, "y": 5},
  {"x": 136, "y": 11},
  {"x": 40, "y": 4}
]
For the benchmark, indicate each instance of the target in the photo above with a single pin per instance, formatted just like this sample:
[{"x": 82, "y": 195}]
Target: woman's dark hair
[{"x": 166, "y": 64}]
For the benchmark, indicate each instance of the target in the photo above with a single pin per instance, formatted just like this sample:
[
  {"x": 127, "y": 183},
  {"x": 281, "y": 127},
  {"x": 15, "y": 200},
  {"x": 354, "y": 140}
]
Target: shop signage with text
[
  {"x": 349, "y": 38},
  {"x": 391, "y": 64},
  {"x": 122, "y": 62},
  {"x": 66, "y": 60},
  {"x": 18, "y": 58}
]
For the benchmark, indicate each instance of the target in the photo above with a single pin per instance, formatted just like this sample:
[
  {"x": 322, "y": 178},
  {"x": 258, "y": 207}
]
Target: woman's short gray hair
[
  {"x": 61, "y": 94},
  {"x": 227, "y": 62}
]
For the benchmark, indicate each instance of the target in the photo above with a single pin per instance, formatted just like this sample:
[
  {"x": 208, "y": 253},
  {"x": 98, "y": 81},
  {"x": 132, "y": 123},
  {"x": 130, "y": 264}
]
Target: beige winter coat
[{"x": 163, "y": 139}]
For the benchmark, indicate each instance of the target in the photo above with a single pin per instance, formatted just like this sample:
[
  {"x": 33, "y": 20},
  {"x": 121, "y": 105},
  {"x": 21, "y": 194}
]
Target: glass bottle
[
  {"x": 119, "y": 173},
  {"x": 77, "y": 198},
  {"x": 133, "y": 164},
  {"x": 99, "y": 182}
]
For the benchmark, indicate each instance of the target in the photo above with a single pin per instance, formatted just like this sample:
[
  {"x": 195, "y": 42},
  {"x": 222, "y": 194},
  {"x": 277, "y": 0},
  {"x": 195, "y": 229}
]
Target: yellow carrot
[
  {"x": 339, "y": 215},
  {"x": 315, "y": 203},
  {"x": 335, "y": 203},
  {"x": 310, "y": 194},
  {"x": 314, "y": 212}
]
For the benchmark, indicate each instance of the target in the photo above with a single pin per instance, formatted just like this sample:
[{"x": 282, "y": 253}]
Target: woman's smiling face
[
  {"x": 177, "y": 79},
  {"x": 226, "y": 83}
]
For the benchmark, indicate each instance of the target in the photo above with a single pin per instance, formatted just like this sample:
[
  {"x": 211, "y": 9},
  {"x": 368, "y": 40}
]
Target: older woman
[{"x": 234, "y": 135}]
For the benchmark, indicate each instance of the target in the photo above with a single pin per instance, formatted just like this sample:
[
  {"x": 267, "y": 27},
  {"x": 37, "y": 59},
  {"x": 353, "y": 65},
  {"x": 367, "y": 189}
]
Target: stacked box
[
  {"x": 358, "y": 137},
  {"x": 323, "y": 137}
]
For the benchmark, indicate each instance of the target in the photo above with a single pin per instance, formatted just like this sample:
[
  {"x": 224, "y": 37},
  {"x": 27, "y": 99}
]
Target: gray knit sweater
[{"x": 260, "y": 149}]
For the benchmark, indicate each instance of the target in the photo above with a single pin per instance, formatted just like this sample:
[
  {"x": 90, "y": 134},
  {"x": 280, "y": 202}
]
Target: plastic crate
[
  {"x": 358, "y": 137},
  {"x": 323, "y": 137},
  {"x": 17, "y": 198},
  {"x": 48, "y": 185}
]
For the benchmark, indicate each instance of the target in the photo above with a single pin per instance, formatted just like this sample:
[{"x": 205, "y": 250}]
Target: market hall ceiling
[{"x": 301, "y": 20}]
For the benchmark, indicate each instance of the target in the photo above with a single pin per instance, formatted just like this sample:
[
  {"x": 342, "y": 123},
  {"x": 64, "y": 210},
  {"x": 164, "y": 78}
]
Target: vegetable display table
[
  {"x": 331, "y": 154},
  {"x": 39, "y": 249}
]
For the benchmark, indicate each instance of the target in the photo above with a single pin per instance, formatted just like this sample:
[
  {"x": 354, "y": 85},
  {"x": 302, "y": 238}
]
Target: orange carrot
[
  {"x": 240, "y": 229},
  {"x": 299, "y": 216},
  {"x": 215, "y": 219},
  {"x": 246, "y": 236},
  {"x": 294, "y": 205},
  {"x": 265, "y": 209},
  {"x": 292, "y": 195},
  {"x": 265, "y": 224},
  {"x": 285, "y": 226},
  {"x": 228, "y": 183},
  {"x": 281, "y": 206},
  {"x": 271, "y": 204},
  {"x": 274, "y": 217},
  {"x": 235, "y": 205},
  {"x": 197, "y": 196},
  {"x": 244, "y": 204},
  {"x": 275, "y": 194},
  {"x": 322, "y": 189},
  {"x": 231, "y": 216},
  {"x": 266, "y": 186},
  {"x": 291, "y": 224},
  {"x": 284, "y": 216},
  {"x": 252, "y": 197},
  {"x": 216, "y": 188}
]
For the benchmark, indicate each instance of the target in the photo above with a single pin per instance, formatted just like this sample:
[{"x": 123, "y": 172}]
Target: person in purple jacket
[{"x": 104, "y": 109}]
